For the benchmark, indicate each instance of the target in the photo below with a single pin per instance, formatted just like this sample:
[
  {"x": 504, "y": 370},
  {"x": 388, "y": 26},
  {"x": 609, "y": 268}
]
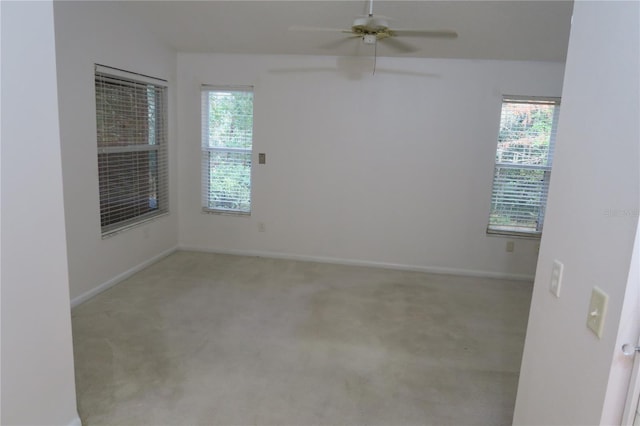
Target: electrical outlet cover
[{"x": 556, "y": 278}]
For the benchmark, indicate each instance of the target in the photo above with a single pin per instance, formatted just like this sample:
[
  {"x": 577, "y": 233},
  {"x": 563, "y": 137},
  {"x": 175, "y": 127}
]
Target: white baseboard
[
  {"x": 75, "y": 421},
  {"x": 120, "y": 277},
  {"x": 278, "y": 255},
  {"x": 357, "y": 262}
]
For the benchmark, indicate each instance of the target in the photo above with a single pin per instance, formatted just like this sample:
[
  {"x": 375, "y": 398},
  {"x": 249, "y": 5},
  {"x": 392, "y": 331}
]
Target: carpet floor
[{"x": 207, "y": 339}]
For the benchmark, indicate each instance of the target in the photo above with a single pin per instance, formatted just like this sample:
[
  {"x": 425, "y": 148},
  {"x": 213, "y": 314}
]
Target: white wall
[
  {"x": 89, "y": 33},
  {"x": 37, "y": 361},
  {"x": 590, "y": 226},
  {"x": 392, "y": 168}
]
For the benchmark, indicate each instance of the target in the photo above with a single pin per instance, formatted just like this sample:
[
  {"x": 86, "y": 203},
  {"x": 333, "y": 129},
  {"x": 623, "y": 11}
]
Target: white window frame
[
  {"x": 105, "y": 74},
  {"x": 514, "y": 230},
  {"x": 207, "y": 150}
]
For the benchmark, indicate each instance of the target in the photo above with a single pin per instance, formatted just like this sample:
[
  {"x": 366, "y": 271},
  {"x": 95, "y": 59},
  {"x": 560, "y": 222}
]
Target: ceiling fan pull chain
[{"x": 375, "y": 56}]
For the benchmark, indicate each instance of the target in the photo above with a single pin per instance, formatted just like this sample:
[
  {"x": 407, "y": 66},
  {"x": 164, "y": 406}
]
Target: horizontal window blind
[
  {"x": 227, "y": 143},
  {"x": 131, "y": 118},
  {"x": 524, "y": 158}
]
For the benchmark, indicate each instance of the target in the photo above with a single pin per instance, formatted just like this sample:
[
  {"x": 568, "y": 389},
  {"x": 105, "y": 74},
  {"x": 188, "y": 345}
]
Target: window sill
[
  {"x": 226, "y": 212},
  {"x": 513, "y": 234}
]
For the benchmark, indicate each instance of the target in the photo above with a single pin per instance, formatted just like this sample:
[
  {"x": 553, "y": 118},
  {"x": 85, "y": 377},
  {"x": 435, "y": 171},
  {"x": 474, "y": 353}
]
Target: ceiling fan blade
[
  {"x": 399, "y": 45},
  {"x": 318, "y": 29},
  {"x": 337, "y": 43},
  {"x": 425, "y": 33},
  {"x": 409, "y": 73},
  {"x": 300, "y": 70},
  {"x": 356, "y": 50}
]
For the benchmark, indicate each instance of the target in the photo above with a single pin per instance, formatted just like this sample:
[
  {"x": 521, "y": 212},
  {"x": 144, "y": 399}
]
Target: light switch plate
[
  {"x": 597, "y": 311},
  {"x": 556, "y": 278}
]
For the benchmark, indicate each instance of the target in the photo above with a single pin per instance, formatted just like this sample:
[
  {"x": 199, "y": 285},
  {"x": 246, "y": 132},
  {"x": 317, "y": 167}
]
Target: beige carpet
[{"x": 204, "y": 339}]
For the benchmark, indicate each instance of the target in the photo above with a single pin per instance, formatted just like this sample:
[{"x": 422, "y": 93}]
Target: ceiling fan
[{"x": 374, "y": 28}]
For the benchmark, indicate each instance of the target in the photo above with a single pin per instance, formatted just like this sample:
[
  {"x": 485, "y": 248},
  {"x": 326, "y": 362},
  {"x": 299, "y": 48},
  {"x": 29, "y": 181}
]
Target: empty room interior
[{"x": 320, "y": 212}]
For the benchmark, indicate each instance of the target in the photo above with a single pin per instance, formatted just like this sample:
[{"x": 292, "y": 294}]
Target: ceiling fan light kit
[{"x": 369, "y": 39}]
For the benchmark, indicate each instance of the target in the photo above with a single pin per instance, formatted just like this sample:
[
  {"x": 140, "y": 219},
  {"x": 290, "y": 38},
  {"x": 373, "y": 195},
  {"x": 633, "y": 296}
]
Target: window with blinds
[
  {"x": 523, "y": 165},
  {"x": 131, "y": 118},
  {"x": 227, "y": 140}
]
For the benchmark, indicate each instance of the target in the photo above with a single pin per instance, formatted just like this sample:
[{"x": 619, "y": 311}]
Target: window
[
  {"x": 227, "y": 139},
  {"x": 131, "y": 117},
  {"x": 523, "y": 165}
]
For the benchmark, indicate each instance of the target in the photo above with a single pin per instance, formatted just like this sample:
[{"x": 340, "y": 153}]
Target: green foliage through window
[
  {"x": 524, "y": 157},
  {"x": 227, "y": 139}
]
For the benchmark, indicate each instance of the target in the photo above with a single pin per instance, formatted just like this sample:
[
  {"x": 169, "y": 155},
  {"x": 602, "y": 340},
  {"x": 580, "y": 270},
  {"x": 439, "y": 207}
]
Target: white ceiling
[{"x": 511, "y": 30}]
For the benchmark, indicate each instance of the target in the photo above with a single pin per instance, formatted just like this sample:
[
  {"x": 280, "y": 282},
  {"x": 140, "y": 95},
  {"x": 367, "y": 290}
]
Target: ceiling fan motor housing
[{"x": 372, "y": 26}]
